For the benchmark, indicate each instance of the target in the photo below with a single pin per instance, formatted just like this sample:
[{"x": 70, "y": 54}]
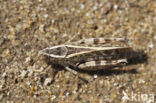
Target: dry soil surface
[{"x": 28, "y": 26}]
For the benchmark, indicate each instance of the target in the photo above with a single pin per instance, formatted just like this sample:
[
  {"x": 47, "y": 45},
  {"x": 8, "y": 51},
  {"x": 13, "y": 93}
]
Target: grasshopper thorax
[{"x": 59, "y": 51}]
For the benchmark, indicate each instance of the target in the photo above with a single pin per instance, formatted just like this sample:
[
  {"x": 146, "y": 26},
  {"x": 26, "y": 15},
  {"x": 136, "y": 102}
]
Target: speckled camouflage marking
[
  {"x": 88, "y": 57},
  {"x": 99, "y": 41}
]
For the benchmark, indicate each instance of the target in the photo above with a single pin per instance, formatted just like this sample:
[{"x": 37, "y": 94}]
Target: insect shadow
[{"x": 139, "y": 58}]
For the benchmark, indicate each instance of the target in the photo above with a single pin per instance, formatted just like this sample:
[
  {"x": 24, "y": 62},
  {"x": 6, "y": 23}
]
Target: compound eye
[
  {"x": 60, "y": 51},
  {"x": 56, "y": 52}
]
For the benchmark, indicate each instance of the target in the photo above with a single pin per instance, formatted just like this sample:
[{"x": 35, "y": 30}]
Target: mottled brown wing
[
  {"x": 99, "y": 58},
  {"x": 101, "y": 42}
]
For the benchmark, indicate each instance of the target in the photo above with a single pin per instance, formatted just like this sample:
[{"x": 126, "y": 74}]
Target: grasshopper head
[{"x": 55, "y": 52}]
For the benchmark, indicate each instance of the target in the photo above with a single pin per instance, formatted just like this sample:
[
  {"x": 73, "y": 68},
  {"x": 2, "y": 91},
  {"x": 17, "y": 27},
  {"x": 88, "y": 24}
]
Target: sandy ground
[{"x": 28, "y": 26}]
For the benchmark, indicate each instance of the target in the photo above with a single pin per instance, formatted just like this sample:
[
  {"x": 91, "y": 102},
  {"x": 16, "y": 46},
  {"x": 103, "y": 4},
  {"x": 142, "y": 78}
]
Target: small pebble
[
  {"x": 4, "y": 74},
  {"x": 53, "y": 97},
  {"x": 45, "y": 16},
  {"x": 151, "y": 45},
  {"x": 41, "y": 28},
  {"x": 23, "y": 73},
  {"x": 115, "y": 7},
  {"x": 47, "y": 81},
  {"x": 95, "y": 76}
]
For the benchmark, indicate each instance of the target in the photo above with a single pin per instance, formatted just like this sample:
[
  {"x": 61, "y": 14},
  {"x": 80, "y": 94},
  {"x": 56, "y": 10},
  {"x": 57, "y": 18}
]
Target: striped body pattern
[{"x": 89, "y": 54}]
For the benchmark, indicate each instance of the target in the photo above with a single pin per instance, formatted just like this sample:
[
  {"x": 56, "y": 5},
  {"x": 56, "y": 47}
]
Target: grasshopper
[{"x": 89, "y": 54}]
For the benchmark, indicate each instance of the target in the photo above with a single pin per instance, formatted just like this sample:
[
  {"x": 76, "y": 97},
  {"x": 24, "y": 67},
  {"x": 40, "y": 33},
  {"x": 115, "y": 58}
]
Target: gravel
[{"x": 27, "y": 26}]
